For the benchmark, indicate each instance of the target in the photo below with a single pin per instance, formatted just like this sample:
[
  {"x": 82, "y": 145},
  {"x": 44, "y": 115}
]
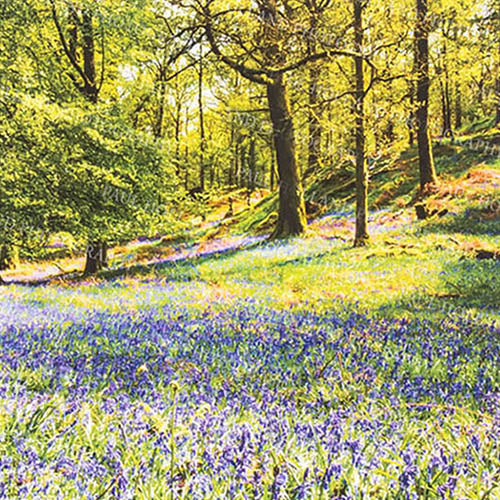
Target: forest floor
[{"x": 228, "y": 366}]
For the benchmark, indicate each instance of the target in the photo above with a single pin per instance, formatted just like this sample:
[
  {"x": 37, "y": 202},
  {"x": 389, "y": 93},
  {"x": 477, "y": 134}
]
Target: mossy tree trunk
[
  {"x": 361, "y": 234},
  {"x": 292, "y": 212},
  {"x": 426, "y": 159}
]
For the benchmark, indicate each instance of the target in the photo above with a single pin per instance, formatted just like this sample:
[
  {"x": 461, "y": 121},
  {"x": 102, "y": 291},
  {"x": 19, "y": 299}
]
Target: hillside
[
  {"x": 237, "y": 367},
  {"x": 466, "y": 205}
]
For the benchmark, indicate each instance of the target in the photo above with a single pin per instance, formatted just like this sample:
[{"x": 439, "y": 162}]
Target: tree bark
[
  {"x": 96, "y": 257},
  {"x": 231, "y": 148},
  {"x": 292, "y": 212},
  {"x": 90, "y": 87},
  {"x": 412, "y": 118},
  {"x": 388, "y": 131},
  {"x": 449, "y": 126},
  {"x": 497, "y": 80},
  {"x": 73, "y": 32},
  {"x": 6, "y": 257},
  {"x": 313, "y": 118},
  {"x": 236, "y": 159},
  {"x": 411, "y": 123},
  {"x": 445, "y": 96},
  {"x": 202, "y": 124},
  {"x": 186, "y": 150},
  {"x": 252, "y": 165},
  {"x": 361, "y": 235},
  {"x": 314, "y": 122},
  {"x": 272, "y": 172},
  {"x": 178, "y": 111},
  {"x": 426, "y": 159},
  {"x": 242, "y": 163},
  {"x": 497, "y": 98},
  {"x": 445, "y": 111},
  {"x": 330, "y": 143},
  {"x": 458, "y": 105}
]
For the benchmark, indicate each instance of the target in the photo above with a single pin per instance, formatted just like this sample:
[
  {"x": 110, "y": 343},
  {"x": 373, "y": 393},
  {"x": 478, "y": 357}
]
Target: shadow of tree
[
  {"x": 468, "y": 221},
  {"x": 476, "y": 283},
  {"x": 183, "y": 268}
]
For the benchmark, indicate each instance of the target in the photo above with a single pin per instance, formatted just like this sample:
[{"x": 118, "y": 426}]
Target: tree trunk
[
  {"x": 444, "y": 111},
  {"x": 458, "y": 105},
  {"x": 186, "y": 150},
  {"x": 329, "y": 150},
  {"x": 90, "y": 89},
  {"x": 411, "y": 123},
  {"x": 388, "y": 131},
  {"x": 272, "y": 173},
  {"x": 178, "y": 111},
  {"x": 447, "y": 130},
  {"x": 497, "y": 81},
  {"x": 160, "y": 111},
  {"x": 7, "y": 257},
  {"x": 73, "y": 32},
  {"x": 412, "y": 118},
  {"x": 202, "y": 124},
  {"x": 497, "y": 98},
  {"x": 243, "y": 156},
  {"x": 361, "y": 236},
  {"x": 96, "y": 252},
  {"x": 236, "y": 160},
  {"x": 96, "y": 257},
  {"x": 314, "y": 122},
  {"x": 426, "y": 160},
  {"x": 252, "y": 167},
  {"x": 211, "y": 168},
  {"x": 231, "y": 148},
  {"x": 449, "y": 127},
  {"x": 292, "y": 212},
  {"x": 313, "y": 114}
]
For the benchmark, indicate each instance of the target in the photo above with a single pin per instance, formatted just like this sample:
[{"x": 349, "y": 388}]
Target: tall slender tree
[
  {"x": 361, "y": 236},
  {"x": 426, "y": 160},
  {"x": 316, "y": 8},
  {"x": 201, "y": 117}
]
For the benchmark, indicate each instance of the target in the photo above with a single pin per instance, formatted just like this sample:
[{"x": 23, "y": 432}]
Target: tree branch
[{"x": 64, "y": 44}]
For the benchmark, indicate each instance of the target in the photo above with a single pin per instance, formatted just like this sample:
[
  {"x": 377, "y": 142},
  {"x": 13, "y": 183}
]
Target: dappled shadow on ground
[
  {"x": 475, "y": 283},
  {"x": 187, "y": 260},
  {"x": 243, "y": 377},
  {"x": 469, "y": 222},
  {"x": 181, "y": 263}
]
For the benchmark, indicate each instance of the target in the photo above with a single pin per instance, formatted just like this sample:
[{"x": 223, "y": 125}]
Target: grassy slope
[{"x": 411, "y": 267}]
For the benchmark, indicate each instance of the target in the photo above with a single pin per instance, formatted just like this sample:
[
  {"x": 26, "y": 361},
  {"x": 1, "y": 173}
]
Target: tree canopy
[{"x": 112, "y": 111}]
